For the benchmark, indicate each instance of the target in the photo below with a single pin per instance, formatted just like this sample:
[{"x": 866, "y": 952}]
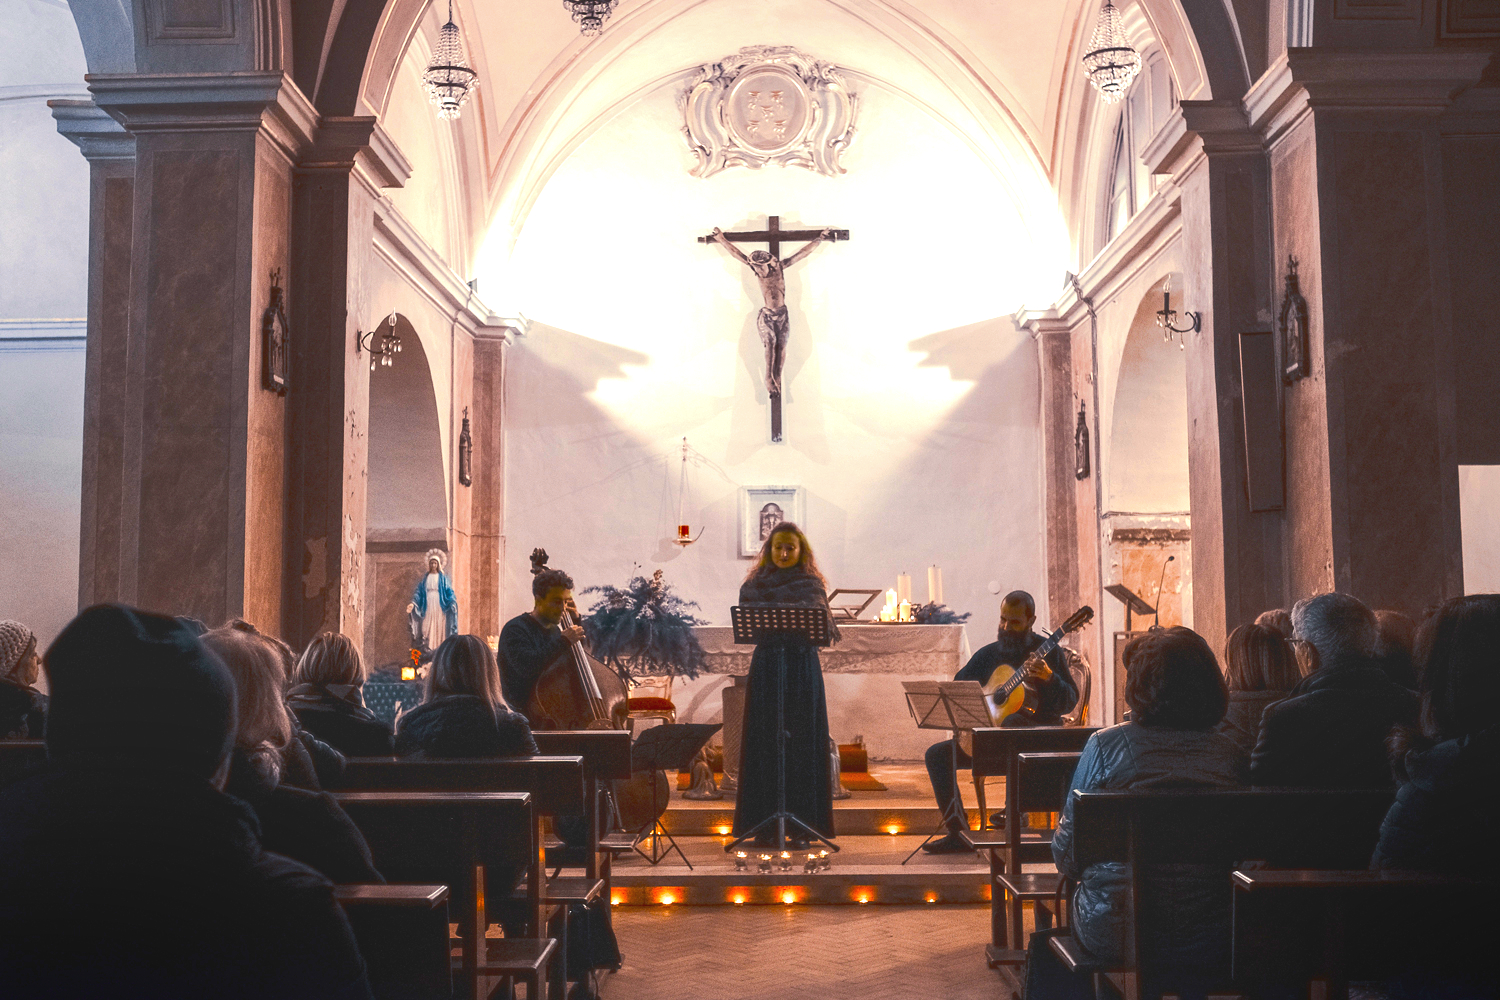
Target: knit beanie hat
[
  {"x": 16, "y": 640},
  {"x": 128, "y": 683}
]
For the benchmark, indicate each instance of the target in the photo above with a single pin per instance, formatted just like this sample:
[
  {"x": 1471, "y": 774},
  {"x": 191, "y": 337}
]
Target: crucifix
[{"x": 770, "y": 269}]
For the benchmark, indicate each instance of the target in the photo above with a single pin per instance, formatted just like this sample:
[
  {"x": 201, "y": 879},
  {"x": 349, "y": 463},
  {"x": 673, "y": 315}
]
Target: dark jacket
[
  {"x": 527, "y": 648},
  {"x": 1330, "y": 732},
  {"x": 1446, "y": 817},
  {"x": 1058, "y": 694},
  {"x": 174, "y": 869},
  {"x": 23, "y": 712},
  {"x": 349, "y": 728},
  {"x": 308, "y": 762},
  {"x": 306, "y": 826},
  {"x": 1242, "y": 720},
  {"x": 1192, "y": 903},
  {"x": 462, "y": 725}
]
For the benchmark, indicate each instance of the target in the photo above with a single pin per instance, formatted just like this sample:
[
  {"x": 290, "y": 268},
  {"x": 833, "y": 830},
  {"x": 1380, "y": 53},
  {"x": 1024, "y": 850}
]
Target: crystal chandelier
[
  {"x": 591, "y": 14},
  {"x": 449, "y": 80},
  {"x": 1110, "y": 61}
]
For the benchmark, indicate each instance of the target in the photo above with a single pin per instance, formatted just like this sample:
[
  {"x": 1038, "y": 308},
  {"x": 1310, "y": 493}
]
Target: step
[{"x": 848, "y": 820}]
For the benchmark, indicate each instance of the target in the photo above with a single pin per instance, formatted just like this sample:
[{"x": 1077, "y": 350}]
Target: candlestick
[{"x": 934, "y": 585}]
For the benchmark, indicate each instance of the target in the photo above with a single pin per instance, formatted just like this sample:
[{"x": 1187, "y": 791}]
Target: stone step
[{"x": 848, "y": 820}]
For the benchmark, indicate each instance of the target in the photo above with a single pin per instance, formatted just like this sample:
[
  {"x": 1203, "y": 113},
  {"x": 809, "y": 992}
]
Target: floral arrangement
[
  {"x": 938, "y": 614},
  {"x": 644, "y": 628}
]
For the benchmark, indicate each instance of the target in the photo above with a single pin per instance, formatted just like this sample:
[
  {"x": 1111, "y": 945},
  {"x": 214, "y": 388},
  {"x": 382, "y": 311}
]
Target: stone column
[
  {"x": 1358, "y": 171},
  {"x": 486, "y": 516},
  {"x": 110, "y": 151}
]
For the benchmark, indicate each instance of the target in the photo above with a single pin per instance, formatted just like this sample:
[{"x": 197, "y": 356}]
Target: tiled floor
[{"x": 818, "y": 953}]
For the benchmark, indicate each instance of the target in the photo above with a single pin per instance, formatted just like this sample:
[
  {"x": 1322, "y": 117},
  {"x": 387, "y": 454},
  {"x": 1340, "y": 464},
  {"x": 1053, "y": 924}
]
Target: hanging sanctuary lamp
[
  {"x": 685, "y": 536},
  {"x": 590, "y": 14},
  {"x": 1110, "y": 62},
  {"x": 449, "y": 79}
]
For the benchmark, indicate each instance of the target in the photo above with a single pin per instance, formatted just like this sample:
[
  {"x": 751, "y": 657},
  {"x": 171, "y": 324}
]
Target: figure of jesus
[{"x": 772, "y": 321}]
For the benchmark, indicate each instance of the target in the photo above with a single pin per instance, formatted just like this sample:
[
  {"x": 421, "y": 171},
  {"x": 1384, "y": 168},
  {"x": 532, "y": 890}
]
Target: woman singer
[{"x": 785, "y": 574}]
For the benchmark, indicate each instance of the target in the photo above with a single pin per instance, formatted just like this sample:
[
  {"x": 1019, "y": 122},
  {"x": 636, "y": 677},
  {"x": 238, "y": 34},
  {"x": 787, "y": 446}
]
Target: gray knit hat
[{"x": 16, "y": 640}]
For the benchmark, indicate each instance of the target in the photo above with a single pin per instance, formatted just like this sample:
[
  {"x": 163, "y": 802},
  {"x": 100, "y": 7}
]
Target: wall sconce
[
  {"x": 275, "y": 335},
  {"x": 1081, "y": 451},
  {"x": 466, "y": 453},
  {"x": 1166, "y": 316},
  {"x": 390, "y": 344},
  {"x": 1295, "y": 353}
]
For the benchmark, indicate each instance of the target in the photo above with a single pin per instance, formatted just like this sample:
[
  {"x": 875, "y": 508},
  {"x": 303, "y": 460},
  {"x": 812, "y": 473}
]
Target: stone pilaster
[{"x": 487, "y": 503}]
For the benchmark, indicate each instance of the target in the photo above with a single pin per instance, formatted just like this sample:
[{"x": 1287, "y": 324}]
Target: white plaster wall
[
  {"x": 1479, "y": 517},
  {"x": 911, "y": 407},
  {"x": 44, "y": 210}
]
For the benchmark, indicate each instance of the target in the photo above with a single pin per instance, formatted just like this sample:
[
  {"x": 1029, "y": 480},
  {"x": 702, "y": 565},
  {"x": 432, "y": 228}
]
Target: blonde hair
[
  {"x": 258, "y": 679},
  {"x": 464, "y": 664},
  {"x": 805, "y": 559},
  {"x": 330, "y": 659}
]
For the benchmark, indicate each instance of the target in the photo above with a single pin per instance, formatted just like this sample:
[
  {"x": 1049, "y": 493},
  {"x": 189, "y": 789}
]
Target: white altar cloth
[{"x": 907, "y": 650}]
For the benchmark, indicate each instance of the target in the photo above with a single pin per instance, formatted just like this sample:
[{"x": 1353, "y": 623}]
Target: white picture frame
[{"x": 789, "y": 501}]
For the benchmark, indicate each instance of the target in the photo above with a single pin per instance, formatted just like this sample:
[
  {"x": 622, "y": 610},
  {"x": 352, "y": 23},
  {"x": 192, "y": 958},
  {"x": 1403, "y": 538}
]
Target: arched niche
[{"x": 406, "y": 496}]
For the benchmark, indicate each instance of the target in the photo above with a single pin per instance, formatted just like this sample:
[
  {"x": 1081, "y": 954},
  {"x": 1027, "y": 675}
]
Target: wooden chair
[
  {"x": 454, "y": 838},
  {"x": 1042, "y": 781},
  {"x": 402, "y": 931},
  {"x": 995, "y": 752},
  {"x": 1303, "y": 828}
]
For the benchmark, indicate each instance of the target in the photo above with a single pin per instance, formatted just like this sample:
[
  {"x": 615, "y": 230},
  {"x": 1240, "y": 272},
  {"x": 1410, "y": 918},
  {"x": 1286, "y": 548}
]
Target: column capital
[
  {"x": 1217, "y": 128},
  {"x": 92, "y": 130}
]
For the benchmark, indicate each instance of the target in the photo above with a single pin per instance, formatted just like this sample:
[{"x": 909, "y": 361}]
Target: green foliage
[{"x": 645, "y": 629}]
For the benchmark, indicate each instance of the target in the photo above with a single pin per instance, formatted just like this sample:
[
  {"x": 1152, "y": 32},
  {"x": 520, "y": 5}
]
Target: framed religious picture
[{"x": 762, "y": 508}]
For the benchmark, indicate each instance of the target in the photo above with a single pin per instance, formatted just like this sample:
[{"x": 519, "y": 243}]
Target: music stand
[
  {"x": 753, "y": 625},
  {"x": 955, "y": 706},
  {"x": 1133, "y": 602},
  {"x": 669, "y": 747}
]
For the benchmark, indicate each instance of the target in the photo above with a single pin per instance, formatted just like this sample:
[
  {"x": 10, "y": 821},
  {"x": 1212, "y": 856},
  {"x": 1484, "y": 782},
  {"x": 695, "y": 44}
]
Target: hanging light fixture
[
  {"x": 591, "y": 14},
  {"x": 449, "y": 79},
  {"x": 1110, "y": 61}
]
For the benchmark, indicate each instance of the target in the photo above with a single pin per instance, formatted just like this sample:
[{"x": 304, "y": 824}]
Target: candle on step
[{"x": 934, "y": 585}]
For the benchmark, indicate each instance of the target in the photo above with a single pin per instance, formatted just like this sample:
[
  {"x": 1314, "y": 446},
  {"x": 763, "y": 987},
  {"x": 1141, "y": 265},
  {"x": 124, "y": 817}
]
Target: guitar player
[{"x": 1049, "y": 677}]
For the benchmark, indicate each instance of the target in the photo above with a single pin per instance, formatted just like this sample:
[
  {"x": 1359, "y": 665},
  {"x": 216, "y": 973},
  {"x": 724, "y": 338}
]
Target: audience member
[
  {"x": 327, "y": 698},
  {"x": 1260, "y": 669},
  {"x": 23, "y": 709},
  {"x": 307, "y": 826},
  {"x": 1177, "y": 696},
  {"x": 1331, "y": 731},
  {"x": 124, "y": 870},
  {"x": 1279, "y": 619},
  {"x": 1398, "y": 636},
  {"x": 463, "y": 713},
  {"x": 306, "y": 761}
]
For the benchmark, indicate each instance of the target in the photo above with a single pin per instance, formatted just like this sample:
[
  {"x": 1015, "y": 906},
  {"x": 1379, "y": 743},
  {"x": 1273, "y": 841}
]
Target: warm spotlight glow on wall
[
  {"x": 723, "y": 831},
  {"x": 893, "y": 829},
  {"x": 739, "y": 900},
  {"x": 932, "y": 897},
  {"x": 666, "y": 899},
  {"x": 789, "y": 897},
  {"x": 614, "y": 901},
  {"x": 864, "y": 897}
]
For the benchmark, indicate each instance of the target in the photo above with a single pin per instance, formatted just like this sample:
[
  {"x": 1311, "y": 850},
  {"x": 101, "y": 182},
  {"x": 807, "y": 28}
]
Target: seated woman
[
  {"x": 1177, "y": 696},
  {"x": 1261, "y": 669},
  {"x": 23, "y": 709},
  {"x": 304, "y": 825},
  {"x": 327, "y": 698},
  {"x": 463, "y": 713},
  {"x": 306, "y": 761}
]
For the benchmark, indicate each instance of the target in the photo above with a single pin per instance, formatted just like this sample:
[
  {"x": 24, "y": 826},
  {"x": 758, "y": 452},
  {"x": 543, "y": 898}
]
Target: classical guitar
[{"x": 1013, "y": 690}]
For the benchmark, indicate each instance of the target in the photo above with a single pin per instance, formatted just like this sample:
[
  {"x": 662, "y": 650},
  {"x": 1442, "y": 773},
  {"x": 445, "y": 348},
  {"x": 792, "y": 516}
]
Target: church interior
[{"x": 1152, "y": 522}]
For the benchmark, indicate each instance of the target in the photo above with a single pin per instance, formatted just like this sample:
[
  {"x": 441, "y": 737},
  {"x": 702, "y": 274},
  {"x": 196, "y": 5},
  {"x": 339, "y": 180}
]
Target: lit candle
[
  {"x": 934, "y": 585},
  {"x": 903, "y": 613}
]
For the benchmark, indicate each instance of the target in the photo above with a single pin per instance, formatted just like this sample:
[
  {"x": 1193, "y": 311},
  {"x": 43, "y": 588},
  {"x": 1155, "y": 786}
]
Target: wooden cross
[{"x": 773, "y": 236}]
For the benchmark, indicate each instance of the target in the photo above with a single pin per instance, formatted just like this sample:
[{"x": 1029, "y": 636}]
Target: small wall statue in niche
[
  {"x": 466, "y": 453},
  {"x": 1081, "y": 445},
  {"x": 273, "y": 332},
  {"x": 1296, "y": 362}
]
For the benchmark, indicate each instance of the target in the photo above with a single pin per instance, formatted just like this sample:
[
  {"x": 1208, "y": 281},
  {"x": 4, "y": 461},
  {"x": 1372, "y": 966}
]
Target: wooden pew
[
  {"x": 1042, "y": 781},
  {"x": 1290, "y": 828},
  {"x": 995, "y": 751},
  {"x": 402, "y": 931},
  {"x": 17, "y": 757},
  {"x": 454, "y": 838},
  {"x": 1316, "y": 930}
]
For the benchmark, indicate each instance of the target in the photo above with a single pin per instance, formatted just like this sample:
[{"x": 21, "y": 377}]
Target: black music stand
[
  {"x": 669, "y": 747},
  {"x": 955, "y": 706},
  {"x": 752, "y": 626}
]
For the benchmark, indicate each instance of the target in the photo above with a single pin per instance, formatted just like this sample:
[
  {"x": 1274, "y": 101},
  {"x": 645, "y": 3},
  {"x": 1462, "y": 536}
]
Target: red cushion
[{"x": 651, "y": 705}]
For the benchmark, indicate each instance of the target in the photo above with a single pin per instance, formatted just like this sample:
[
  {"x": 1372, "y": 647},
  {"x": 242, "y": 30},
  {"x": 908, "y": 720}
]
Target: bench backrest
[
  {"x": 1043, "y": 780},
  {"x": 19, "y": 756},
  {"x": 995, "y": 748},
  {"x": 556, "y": 784},
  {"x": 605, "y": 752}
]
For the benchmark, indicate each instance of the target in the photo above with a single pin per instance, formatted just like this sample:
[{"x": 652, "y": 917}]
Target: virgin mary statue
[{"x": 433, "y": 611}]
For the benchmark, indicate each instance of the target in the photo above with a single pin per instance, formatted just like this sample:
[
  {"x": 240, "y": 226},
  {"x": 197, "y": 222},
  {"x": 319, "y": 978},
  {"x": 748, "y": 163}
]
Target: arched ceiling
[{"x": 1004, "y": 74}]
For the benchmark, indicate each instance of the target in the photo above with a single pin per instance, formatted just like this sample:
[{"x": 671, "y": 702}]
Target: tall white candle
[
  {"x": 934, "y": 585},
  {"x": 903, "y": 587}
]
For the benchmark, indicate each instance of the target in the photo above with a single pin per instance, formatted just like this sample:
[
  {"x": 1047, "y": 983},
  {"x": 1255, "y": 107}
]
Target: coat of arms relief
[{"x": 768, "y": 104}]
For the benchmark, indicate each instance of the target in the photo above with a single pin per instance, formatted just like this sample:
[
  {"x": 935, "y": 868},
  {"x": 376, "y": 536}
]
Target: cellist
[{"x": 532, "y": 641}]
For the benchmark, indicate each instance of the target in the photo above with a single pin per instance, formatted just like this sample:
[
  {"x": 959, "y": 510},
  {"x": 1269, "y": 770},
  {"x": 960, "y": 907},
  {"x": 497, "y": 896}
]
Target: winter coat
[
  {"x": 308, "y": 762},
  {"x": 1446, "y": 817},
  {"x": 1242, "y": 720},
  {"x": 1330, "y": 732},
  {"x": 462, "y": 725},
  {"x": 1191, "y": 902},
  {"x": 172, "y": 874},
  {"x": 347, "y": 726},
  {"x": 23, "y": 712},
  {"x": 306, "y": 826}
]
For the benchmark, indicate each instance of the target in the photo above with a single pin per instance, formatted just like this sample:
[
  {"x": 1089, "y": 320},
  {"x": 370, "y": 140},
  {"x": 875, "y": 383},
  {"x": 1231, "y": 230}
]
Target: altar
[{"x": 862, "y": 678}]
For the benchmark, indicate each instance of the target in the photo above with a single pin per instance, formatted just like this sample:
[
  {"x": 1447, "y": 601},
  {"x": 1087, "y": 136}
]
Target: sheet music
[
  {"x": 924, "y": 699},
  {"x": 965, "y": 700}
]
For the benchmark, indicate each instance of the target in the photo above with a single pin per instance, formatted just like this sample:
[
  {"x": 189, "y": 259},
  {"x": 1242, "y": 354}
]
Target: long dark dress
[{"x": 809, "y": 796}]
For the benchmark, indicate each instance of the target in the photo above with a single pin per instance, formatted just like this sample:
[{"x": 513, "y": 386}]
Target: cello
[{"x": 578, "y": 692}]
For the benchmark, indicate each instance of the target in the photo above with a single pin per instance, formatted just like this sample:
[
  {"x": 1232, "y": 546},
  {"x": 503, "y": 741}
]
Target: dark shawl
[{"x": 787, "y": 588}]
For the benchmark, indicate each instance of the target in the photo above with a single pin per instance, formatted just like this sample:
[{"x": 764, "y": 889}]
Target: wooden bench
[
  {"x": 1288, "y": 828},
  {"x": 1042, "y": 781},
  {"x": 17, "y": 757},
  {"x": 1317, "y": 930},
  {"x": 995, "y": 751},
  {"x": 402, "y": 932},
  {"x": 455, "y": 838}
]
